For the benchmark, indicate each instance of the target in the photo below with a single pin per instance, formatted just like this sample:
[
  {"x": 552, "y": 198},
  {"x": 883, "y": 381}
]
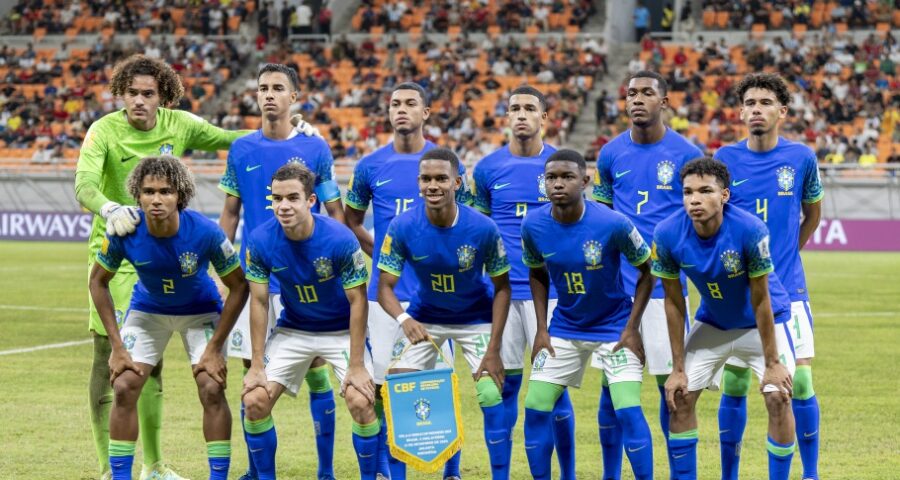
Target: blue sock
[
  {"x": 610, "y": 437},
  {"x": 683, "y": 447},
  {"x": 365, "y": 443},
  {"x": 262, "y": 442},
  {"x": 219, "y": 454},
  {"x": 806, "y": 416},
  {"x": 780, "y": 455},
  {"x": 664, "y": 424},
  {"x": 732, "y": 422},
  {"x": 539, "y": 442},
  {"x": 512, "y": 383},
  {"x": 251, "y": 469},
  {"x": 451, "y": 468},
  {"x": 321, "y": 406},
  {"x": 638, "y": 443},
  {"x": 496, "y": 436},
  {"x": 383, "y": 467},
  {"x": 121, "y": 459},
  {"x": 564, "y": 435},
  {"x": 397, "y": 468}
]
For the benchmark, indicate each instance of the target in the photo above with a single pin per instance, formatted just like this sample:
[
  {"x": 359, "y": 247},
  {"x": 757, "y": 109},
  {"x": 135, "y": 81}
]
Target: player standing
[
  {"x": 252, "y": 161},
  {"x": 386, "y": 179},
  {"x": 508, "y": 183},
  {"x": 637, "y": 173},
  {"x": 323, "y": 271},
  {"x": 578, "y": 246},
  {"x": 171, "y": 250},
  {"x": 743, "y": 312},
  {"x": 448, "y": 247},
  {"x": 777, "y": 180}
]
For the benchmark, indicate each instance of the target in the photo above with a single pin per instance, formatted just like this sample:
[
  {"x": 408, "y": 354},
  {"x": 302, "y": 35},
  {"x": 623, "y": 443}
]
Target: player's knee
[
  {"x": 210, "y": 392},
  {"x": 361, "y": 409},
  {"x": 487, "y": 392},
  {"x": 256, "y": 404},
  {"x": 736, "y": 381},
  {"x": 127, "y": 389},
  {"x": 542, "y": 395},
  {"x": 777, "y": 404}
]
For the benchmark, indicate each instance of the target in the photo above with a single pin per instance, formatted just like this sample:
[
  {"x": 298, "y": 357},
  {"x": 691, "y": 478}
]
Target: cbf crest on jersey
[
  {"x": 188, "y": 262},
  {"x": 665, "y": 172},
  {"x": 324, "y": 269},
  {"x": 785, "y": 176},
  {"x": 592, "y": 254},
  {"x": 166, "y": 149},
  {"x": 466, "y": 256},
  {"x": 542, "y": 188},
  {"x": 297, "y": 160},
  {"x": 731, "y": 260}
]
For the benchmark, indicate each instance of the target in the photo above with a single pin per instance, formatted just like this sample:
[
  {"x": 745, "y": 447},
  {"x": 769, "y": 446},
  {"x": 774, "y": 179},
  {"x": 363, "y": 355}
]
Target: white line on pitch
[
  {"x": 44, "y": 347},
  {"x": 856, "y": 314},
  {"x": 43, "y": 309}
]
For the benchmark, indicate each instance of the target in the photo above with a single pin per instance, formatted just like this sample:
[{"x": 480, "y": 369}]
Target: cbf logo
[
  {"x": 731, "y": 260},
  {"x": 128, "y": 341},
  {"x": 188, "y": 262},
  {"x": 423, "y": 409},
  {"x": 592, "y": 254},
  {"x": 120, "y": 319},
  {"x": 166, "y": 149},
  {"x": 466, "y": 256},
  {"x": 665, "y": 172},
  {"x": 399, "y": 345},
  {"x": 785, "y": 176},
  {"x": 542, "y": 188},
  {"x": 237, "y": 339},
  {"x": 323, "y": 268},
  {"x": 539, "y": 361}
]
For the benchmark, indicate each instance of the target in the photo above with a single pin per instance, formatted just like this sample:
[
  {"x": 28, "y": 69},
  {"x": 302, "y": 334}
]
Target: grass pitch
[{"x": 45, "y": 433}]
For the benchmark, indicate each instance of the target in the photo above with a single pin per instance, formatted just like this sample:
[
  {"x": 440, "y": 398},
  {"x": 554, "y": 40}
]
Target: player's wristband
[{"x": 403, "y": 317}]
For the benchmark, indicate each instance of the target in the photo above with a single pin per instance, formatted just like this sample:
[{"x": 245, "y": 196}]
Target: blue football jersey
[
  {"x": 313, "y": 273},
  {"x": 583, "y": 259},
  {"x": 721, "y": 266},
  {"x": 390, "y": 182},
  {"x": 446, "y": 264},
  {"x": 253, "y": 159},
  {"x": 643, "y": 183},
  {"x": 506, "y": 188},
  {"x": 773, "y": 185},
  {"x": 172, "y": 271}
]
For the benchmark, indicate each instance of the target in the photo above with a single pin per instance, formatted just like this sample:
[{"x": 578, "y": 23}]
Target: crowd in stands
[
  {"x": 780, "y": 14},
  {"x": 845, "y": 95}
]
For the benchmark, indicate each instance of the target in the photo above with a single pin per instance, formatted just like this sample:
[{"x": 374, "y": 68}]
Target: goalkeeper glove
[
  {"x": 120, "y": 219},
  {"x": 304, "y": 128}
]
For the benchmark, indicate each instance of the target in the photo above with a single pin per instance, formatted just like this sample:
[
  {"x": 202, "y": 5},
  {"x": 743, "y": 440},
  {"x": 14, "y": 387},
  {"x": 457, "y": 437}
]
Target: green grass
[{"x": 44, "y": 429}]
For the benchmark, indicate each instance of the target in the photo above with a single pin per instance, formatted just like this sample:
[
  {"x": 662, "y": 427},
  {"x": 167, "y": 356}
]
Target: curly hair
[
  {"x": 168, "y": 83},
  {"x": 765, "y": 81},
  {"x": 166, "y": 167},
  {"x": 707, "y": 167}
]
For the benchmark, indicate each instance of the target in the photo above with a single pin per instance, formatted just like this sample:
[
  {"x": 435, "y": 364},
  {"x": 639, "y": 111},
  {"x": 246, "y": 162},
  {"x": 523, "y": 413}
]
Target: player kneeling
[
  {"x": 743, "y": 309},
  {"x": 322, "y": 272},
  {"x": 171, "y": 250}
]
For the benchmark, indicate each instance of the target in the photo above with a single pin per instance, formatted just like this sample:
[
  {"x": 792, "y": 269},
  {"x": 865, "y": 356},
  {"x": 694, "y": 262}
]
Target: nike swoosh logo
[
  {"x": 548, "y": 255},
  {"x": 632, "y": 450},
  {"x": 278, "y": 269},
  {"x": 125, "y": 159},
  {"x": 363, "y": 455},
  {"x": 807, "y": 435},
  {"x": 617, "y": 371},
  {"x": 417, "y": 259},
  {"x": 329, "y": 412},
  {"x": 501, "y": 185},
  {"x": 607, "y": 427},
  {"x": 622, "y": 174},
  {"x": 685, "y": 265},
  {"x": 559, "y": 419},
  {"x": 256, "y": 451},
  {"x": 723, "y": 431},
  {"x": 382, "y": 182},
  {"x": 141, "y": 264},
  {"x": 530, "y": 447},
  {"x": 735, "y": 183},
  {"x": 679, "y": 456},
  {"x": 497, "y": 442},
  {"x": 250, "y": 169}
]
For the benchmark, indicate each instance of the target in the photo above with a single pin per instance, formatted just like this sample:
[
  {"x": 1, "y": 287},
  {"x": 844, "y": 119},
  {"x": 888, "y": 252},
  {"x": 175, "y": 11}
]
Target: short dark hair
[
  {"x": 765, "y": 81},
  {"x": 297, "y": 171},
  {"x": 529, "y": 90},
  {"x": 706, "y": 166},
  {"x": 566, "y": 155},
  {"x": 168, "y": 83},
  {"x": 426, "y": 100},
  {"x": 660, "y": 80},
  {"x": 281, "y": 68},
  {"x": 445, "y": 154},
  {"x": 166, "y": 167}
]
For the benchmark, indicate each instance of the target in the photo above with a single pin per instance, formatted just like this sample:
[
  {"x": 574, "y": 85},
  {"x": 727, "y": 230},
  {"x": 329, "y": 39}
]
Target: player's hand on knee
[
  {"x": 631, "y": 339},
  {"x": 414, "y": 331},
  {"x": 119, "y": 362},
  {"x": 304, "y": 128},
  {"x": 779, "y": 376},
  {"x": 213, "y": 363},
  {"x": 358, "y": 378},
  {"x": 542, "y": 342},
  {"x": 120, "y": 219},
  {"x": 255, "y": 378},
  {"x": 491, "y": 365},
  {"x": 676, "y": 388}
]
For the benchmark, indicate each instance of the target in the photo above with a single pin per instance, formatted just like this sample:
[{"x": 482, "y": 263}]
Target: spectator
[{"x": 641, "y": 21}]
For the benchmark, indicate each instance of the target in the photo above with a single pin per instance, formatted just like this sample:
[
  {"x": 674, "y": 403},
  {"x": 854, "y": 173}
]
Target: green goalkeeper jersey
[{"x": 112, "y": 148}]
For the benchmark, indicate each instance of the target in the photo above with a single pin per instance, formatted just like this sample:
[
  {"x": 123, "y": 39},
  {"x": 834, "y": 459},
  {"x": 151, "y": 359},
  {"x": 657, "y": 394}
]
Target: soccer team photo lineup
[{"x": 497, "y": 239}]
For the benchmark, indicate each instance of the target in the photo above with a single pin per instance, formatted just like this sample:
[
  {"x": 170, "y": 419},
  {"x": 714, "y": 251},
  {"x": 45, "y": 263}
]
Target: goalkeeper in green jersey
[{"x": 112, "y": 148}]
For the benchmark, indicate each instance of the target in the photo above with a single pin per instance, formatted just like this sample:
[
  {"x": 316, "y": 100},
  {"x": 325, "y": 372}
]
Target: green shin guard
[
  {"x": 100, "y": 399},
  {"x": 150, "y": 405}
]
